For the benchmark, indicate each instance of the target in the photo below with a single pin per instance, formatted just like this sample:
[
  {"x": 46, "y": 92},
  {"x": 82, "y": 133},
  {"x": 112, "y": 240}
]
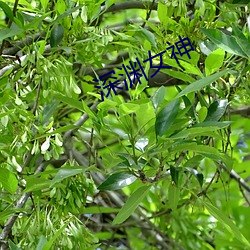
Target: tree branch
[{"x": 236, "y": 177}]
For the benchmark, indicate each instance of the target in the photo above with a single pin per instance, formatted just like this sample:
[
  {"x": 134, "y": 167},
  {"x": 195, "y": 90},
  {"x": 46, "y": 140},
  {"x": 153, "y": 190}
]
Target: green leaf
[
  {"x": 173, "y": 196},
  {"x": 202, "y": 114},
  {"x": 7, "y": 10},
  {"x": 198, "y": 85},
  {"x": 35, "y": 184},
  {"x": 128, "y": 108},
  {"x": 193, "y": 132},
  {"x": 9, "y": 211},
  {"x": 117, "y": 181},
  {"x": 56, "y": 35},
  {"x": 198, "y": 175},
  {"x": 70, "y": 101},
  {"x": 158, "y": 97},
  {"x": 49, "y": 110},
  {"x": 166, "y": 117},
  {"x": 49, "y": 244},
  {"x": 44, "y": 3},
  {"x": 66, "y": 172},
  {"x": 162, "y": 12},
  {"x": 227, "y": 223},
  {"x": 68, "y": 12},
  {"x": 174, "y": 172},
  {"x": 13, "y": 246},
  {"x": 179, "y": 75},
  {"x": 219, "y": 125},
  {"x": 41, "y": 243},
  {"x": 144, "y": 34},
  {"x": 216, "y": 110},
  {"x": 8, "y": 180},
  {"x": 223, "y": 41},
  {"x": 244, "y": 45},
  {"x": 214, "y": 61},
  {"x": 13, "y": 31},
  {"x": 132, "y": 203}
]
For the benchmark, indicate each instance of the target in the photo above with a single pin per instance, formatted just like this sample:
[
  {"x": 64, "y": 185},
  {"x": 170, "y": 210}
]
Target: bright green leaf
[
  {"x": 8, "y": 180},
  {"x": 214, "y": 61}
]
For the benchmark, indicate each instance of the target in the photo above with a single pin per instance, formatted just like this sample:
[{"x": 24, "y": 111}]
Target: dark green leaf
[
  {"x": 174, "y": 172},
  {"x": 198, "y": 175},
  {"x": 166, "y": 117},
  {"x": 56, "y": 35},
  {"x": 13, "y": 246},
  {"x": 7, "y": 10},
  {"x": 132, "y": 203},
  {"x": 117, "y": 181},
  {"x": 8, "y": 180},
  {"x": 216, "y": 110},
  {"x": 6, "y": 33},
  {"x": 223, "y": 41}
]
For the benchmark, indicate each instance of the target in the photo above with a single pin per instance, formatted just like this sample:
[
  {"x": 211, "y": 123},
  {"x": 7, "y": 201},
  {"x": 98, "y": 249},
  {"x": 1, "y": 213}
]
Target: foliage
[{"x": 163, "y": 165}]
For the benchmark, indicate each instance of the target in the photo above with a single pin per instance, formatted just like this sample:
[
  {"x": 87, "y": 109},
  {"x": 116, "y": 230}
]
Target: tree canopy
[{"x": 124, "y": 124}]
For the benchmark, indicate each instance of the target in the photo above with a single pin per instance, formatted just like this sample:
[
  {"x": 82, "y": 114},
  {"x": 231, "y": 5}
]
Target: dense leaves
[{"x": 124, "y": 124}]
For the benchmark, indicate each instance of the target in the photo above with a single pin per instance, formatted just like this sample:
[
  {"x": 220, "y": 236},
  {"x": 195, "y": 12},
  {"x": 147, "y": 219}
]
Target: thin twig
[
  {"x": 235, "y": 176},
  {"x": 148, "y": 14}
]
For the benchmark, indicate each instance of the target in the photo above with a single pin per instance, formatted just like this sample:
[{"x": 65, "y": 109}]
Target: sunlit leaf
[{"x": 8, "y": 180}]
